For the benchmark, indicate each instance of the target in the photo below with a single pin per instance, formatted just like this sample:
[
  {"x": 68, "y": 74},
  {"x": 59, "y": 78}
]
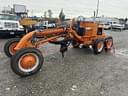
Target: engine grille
[{"x": 10, "y": 25}]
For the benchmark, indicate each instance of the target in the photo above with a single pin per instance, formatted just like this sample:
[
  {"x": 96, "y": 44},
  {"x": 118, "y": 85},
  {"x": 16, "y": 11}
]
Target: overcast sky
[{"x": 113, "y": 8}]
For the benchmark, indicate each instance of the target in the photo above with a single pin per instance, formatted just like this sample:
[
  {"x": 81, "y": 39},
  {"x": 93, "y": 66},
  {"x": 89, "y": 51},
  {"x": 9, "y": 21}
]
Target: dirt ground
[{"x": 80, "y": 73}]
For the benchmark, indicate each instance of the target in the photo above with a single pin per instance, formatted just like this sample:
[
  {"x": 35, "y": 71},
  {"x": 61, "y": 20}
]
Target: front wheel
[{"x": 27, "y": 61}]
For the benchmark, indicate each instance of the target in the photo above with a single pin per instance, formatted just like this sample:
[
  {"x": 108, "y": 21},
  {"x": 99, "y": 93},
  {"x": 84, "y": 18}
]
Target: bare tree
[
  {"x": 45, "y": 14},
  {"x": 49, "y": 13},
  {"x": 62, "y": 15}
]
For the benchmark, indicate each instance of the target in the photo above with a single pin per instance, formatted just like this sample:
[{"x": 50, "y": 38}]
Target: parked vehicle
[
  {"x": 44, "y": 25},
  {"x": 106, "y": 26},
  {"x": 126, "y": 25},
  {"x": 9, "y": 25},
  {"x": 116, "y": 25}
]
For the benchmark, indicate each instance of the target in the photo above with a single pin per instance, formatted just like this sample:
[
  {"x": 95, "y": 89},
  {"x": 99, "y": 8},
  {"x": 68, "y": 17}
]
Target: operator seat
[{"x": 80, "y": 31}]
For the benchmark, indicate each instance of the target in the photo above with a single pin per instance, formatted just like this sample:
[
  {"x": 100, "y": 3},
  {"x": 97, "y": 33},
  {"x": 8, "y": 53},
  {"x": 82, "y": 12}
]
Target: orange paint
[
  {"x": 28, "y": 61},
  {"x": 109, "y": 44},
  {"x": 92, "y": 32},
  {"x": 12, "y": 46}
]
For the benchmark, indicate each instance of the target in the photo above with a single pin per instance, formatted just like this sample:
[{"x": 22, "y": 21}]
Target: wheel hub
[
  {"x": 11, "y": 48},
  {"x": 28, "y": 61},
  {"x": 100, "y": 46},
  {"x": 109, "y": 44}
]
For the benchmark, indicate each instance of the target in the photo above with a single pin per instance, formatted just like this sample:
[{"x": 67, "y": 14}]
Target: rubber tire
[
  {"x": 106, "y": 49},
  {"x": 95, "y": 50},
  {"x": 75, "y": 44},
  {"x": 15, "y": 58},
  {"x": 7, "y": 45}
]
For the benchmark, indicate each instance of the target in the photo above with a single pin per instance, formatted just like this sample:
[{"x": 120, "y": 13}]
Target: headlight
[{"x": 21, "y": 27}]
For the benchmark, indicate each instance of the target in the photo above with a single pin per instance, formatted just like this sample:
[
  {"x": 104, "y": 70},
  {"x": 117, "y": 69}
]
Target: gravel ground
[{"x": 80, "y": 73}]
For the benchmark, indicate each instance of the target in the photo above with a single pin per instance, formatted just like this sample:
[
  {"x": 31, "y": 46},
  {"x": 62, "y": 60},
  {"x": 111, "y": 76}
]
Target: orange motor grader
[{"x": 26, "y": 58}]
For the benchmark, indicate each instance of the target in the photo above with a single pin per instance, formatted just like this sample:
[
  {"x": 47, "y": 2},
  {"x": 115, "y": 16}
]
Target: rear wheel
[
  {"x": 98, "y": 46},
  {"x": 108, "y": 43},
  {"x": 10, "y": 45},
  {"x": 27, "y": 61}
]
